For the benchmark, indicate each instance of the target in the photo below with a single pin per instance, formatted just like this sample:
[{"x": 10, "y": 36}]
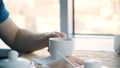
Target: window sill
[{"x": 95, "y": 43}]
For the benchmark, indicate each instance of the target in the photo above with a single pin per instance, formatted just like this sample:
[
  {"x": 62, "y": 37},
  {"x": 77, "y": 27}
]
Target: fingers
[
  {"x": 75, "y": 61},
  {"x": 61, "y": 63},
  {"x": 63, "y": 35},
  {"x": 57, "y": 34},
  {"x": 78, "y": 61}
]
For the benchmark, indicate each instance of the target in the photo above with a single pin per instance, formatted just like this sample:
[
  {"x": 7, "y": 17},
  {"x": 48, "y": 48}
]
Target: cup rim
[{"x": 60, "y": 39}]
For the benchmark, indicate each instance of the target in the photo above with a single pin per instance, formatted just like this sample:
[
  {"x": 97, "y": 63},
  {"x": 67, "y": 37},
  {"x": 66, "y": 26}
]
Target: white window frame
[{"x": 66, "y": 17}]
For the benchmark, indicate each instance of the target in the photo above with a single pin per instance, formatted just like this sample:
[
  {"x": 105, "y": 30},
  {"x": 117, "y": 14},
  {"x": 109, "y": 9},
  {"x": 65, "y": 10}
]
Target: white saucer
[
  {"x": 46, "y": 60},
  {"x": 83, "y": 66},
  {"x": 50, "y": 59}
]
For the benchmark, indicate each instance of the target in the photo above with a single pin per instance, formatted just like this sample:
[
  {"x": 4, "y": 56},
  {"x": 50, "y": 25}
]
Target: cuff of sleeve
[{"x": 4, "y": 15}]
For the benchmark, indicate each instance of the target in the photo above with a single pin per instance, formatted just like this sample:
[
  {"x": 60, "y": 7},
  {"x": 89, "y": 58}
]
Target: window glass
[
  {"x": 97, "y": 16},
  {"x": 35, "y": 15}
]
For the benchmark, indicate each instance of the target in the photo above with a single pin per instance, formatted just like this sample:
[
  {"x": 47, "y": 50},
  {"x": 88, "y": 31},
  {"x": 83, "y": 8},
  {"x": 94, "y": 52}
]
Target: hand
[
  {"x": 56, "y": 34},
  {"x": 63, "y": 64}
]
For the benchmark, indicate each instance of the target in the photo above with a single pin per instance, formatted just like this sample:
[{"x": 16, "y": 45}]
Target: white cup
[
  {"x": 117, "y": 43},
  {"x": 62, "y": 45},
  {"x": 92, "y": 64}
]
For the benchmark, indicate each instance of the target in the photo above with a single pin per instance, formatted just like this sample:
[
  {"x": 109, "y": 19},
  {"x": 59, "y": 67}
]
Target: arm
[{"x": 23, "y": 40}]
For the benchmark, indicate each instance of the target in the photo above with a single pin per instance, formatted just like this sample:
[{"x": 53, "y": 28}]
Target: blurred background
[
  {"x": 90, "y": 16},
  {"x": 35, "y": 15}
]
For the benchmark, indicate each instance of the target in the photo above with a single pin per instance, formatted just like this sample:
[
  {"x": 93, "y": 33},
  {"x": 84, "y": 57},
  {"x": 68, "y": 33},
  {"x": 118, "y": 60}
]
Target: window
[
  {"x": 96, "y": 16},
  {"x": 35, "y": 15},
  {"x": 90, "y": 16}
]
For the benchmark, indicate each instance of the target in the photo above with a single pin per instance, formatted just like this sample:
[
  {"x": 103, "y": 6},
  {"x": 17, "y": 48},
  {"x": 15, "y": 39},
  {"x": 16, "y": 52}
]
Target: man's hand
[
  {"x": 63, "y": 64},
  {"x": 56, "y": 34}
]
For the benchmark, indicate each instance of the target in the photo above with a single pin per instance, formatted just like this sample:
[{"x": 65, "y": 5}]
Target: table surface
[{"x": 108, "y": 58}]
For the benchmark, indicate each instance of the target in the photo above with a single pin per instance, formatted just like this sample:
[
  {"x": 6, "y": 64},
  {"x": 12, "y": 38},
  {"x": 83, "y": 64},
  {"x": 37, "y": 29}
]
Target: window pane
[
  {"x": 96, "y": 16},
  {"x": 35, "y": 15}
]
